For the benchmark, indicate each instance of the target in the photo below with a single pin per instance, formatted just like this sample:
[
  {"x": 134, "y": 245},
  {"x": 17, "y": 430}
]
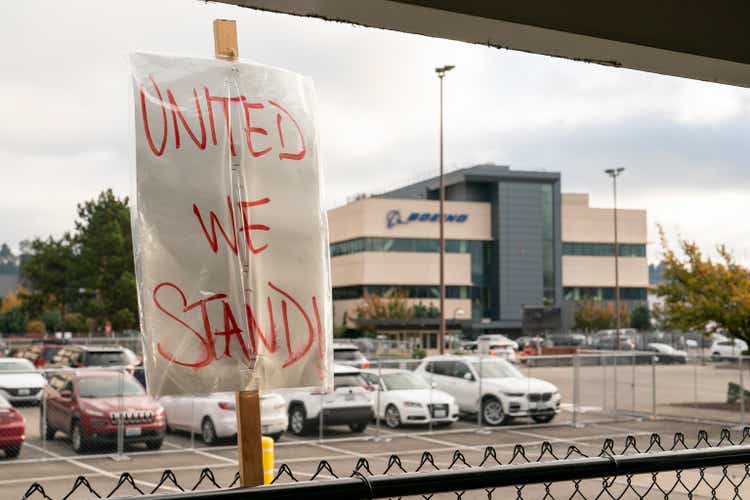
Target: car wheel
[
  {"x": 208, "y": 431},
  {"x": 298, "y": 420},
  {"x": 358, "y": 427},
  {"x": 155, "y": 444},
  {"x": 45, "y": 429},
  {"x": 542, "y": 419},
  {"x": 12, "y": 451},
  {"x": 276, "y": 436},
  {"x": 392, "y": 417},
  {"x": 492, "y": 411},
  {"x": 77, "y": 439}
]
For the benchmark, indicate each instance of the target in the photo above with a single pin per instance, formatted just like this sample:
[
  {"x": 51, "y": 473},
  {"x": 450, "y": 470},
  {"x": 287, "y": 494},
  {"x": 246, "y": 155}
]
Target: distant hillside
[{"x": 8, "y": 261}]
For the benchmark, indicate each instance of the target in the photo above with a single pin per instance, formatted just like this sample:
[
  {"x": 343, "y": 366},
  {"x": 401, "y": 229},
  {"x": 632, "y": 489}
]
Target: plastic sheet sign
[{"x": 230, "y": 240}]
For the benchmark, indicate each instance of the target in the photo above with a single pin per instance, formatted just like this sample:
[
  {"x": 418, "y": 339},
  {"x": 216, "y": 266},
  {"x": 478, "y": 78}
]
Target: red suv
[{"x": 87, "y": 406}]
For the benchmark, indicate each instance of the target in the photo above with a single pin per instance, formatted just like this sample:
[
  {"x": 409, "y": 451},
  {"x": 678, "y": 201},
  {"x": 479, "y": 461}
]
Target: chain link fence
[
  {"x": 656, "y": 467},
  {"x": 114, "y": 416}
]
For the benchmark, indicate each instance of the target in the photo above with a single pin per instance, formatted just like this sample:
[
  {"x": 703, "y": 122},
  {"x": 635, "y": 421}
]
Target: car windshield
[
  {"x": 108, "y": 387},
  {"x": 402, "y": 381},
  {"x": 106, "y": 358},
  {"x": 346, "y": 355},
  {"x": 495, "y": 369},
  {"x": 347, "y": 380},
  {"x": 16, "y": 365}
]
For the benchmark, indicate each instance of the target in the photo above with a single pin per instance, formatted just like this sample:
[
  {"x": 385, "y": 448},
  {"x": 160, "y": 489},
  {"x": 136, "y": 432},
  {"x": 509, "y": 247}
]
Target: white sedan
[
  {"x": 20, "y": 381},
  {"x": 405, "y": 398},
  {"x": 213, "y": 416}
]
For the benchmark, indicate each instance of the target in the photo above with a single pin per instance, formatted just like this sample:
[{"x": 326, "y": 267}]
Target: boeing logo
[{"x": 393, "y": 218}]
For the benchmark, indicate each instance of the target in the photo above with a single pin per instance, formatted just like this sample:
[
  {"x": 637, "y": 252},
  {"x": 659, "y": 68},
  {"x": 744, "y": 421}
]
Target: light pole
[
  {"x": 441, "y": 329},
  {"x": 614, "y": 173}
]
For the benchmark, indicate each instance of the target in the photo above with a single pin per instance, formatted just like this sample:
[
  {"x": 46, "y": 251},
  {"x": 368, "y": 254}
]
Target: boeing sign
[{"x": 394, "y": 218}]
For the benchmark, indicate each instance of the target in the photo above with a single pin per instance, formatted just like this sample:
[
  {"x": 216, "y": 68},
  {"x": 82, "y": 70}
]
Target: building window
[
  {"x": 603, "y": 249},
  {"x": 604, "y": 293},
  {"x": 409, "y": 291}
]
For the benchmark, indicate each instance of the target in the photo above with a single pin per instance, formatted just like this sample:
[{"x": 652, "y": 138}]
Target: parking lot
[
  {"x": 58, "y": 472},
  {"x": 55, "y": 466}
]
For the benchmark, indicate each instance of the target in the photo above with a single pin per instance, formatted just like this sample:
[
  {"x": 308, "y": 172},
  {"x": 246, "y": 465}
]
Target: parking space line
[
  {"x": 90, "y": 468},
  {"x": 338, "y": 450},
  {"x": 211, "y": 455},
  {"x": 442, "y": 443}
]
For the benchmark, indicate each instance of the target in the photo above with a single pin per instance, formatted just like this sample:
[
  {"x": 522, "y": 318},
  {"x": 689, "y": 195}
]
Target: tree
[
  {"x": 104, "y": 266},
  {"x": 593, "y": 315},
  {"x": 700, "y": 294},
  {"x": 10, "y": 301},
  {"x": 13, "y": 321},
  {"x": 393, "y": 306},
  {"x": 48, "y": 268},
  {"x": 640, "y": 318}
]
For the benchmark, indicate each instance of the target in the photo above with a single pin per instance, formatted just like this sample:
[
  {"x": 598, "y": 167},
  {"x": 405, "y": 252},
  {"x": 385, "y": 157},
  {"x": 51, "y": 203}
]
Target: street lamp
[
  {"x": 441, "y": 330},
  {"x": 614, "y": 173}
]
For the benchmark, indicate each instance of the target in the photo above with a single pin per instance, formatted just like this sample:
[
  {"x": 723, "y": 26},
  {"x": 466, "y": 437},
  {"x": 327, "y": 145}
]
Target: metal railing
[{"x": 656, "y": 469}]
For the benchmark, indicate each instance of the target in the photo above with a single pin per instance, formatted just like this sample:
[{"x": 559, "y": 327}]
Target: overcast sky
[{"x": 64, "y": 132}]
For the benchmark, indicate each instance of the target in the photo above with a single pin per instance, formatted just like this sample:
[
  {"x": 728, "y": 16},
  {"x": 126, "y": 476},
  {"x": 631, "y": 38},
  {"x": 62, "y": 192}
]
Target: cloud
[{"x": 68, "y": 133}]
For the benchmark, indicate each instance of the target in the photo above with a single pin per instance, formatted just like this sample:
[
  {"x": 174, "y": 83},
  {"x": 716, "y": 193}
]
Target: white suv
[
  {"x": 506, "y": 393},
  {"x": 348, "y": 404},
  {"x": 727, "y": 349}
]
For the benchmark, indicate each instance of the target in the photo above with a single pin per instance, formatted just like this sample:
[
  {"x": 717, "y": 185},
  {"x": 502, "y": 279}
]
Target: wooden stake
[
  {"x": 225, "y": 39},
  {"x": 249, "y": 440}
]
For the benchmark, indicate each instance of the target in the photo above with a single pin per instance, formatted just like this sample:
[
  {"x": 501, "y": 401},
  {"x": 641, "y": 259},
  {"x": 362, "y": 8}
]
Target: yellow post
[{"x": 267, "y": 460}]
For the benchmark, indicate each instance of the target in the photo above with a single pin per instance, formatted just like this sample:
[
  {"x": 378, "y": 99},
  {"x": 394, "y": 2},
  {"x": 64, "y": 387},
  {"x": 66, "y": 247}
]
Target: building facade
[{"x": 512, "y": 241}]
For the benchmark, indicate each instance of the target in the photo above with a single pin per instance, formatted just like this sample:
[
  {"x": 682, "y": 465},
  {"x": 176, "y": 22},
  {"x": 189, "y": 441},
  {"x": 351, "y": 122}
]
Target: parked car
[
  {"x": 80, "y": 356},
  {"x": 609, "y": 343},
  {"x": 12, "y": 429},
  {"x": 349, "y": 355},
  {"x": 469, "y": 346},
  {"x": 20, "y": 381},
  {"x": 506, "y": 393},
  {"x": 88, "y": 406},
  {"x": 348, "y": 404},
  {"x": 667, "y": 354},
  {"x": 40, "y": 353},
  {"x": 727, "y": 349},
  {"x": 213, "y": 416},
  {"x": 567, "y": 340},
  {"x": 497, "y": 345},
  {"x": 406, "y": 398},
  {"x": 496, "y": 338}
]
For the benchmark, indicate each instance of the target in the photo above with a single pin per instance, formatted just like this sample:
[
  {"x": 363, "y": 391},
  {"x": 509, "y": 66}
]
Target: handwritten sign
[{"x": 229, "y": 236}]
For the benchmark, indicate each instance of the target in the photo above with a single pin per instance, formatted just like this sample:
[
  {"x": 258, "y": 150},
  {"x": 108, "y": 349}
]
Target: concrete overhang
[{"x": 698, "y": 39}]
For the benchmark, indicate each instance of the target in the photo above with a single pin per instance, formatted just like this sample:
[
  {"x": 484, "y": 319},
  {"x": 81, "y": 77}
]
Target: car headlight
[
  {"x": 513, "y": 394},
  {"x": 412, "y": 404},
  {"x": 95, "y": 413}
]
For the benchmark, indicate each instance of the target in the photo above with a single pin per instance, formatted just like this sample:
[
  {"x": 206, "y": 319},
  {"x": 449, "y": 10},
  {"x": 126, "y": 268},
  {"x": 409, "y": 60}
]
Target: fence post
[
  {"x": 603, "y": 360},
  {"x": 614, "y": 381},
  {"x": 378, "y": 391},
  {"x": 576, "y": 387},
  {"x": 695, "y": 383},
  {"x": 192, "y": 420},
  {"x": 121, "y": 419},
  {"x": 742, "y": 394},
  {"x": 480, "y": 421},
  {"x": 632, "y": 404},
  {"x": 653, "y": 386},
  {"x": 320, "y": 416}
]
